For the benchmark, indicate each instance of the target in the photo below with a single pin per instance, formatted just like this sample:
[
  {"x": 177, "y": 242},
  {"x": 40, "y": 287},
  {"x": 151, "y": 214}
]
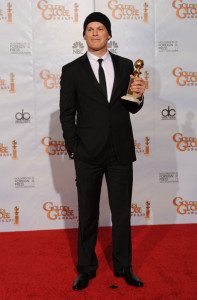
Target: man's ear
[{"x": 109, "y": 37}]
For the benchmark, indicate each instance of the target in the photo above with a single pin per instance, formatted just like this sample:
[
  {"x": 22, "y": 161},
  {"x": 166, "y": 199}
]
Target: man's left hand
[{"x": 138, "y": 87}]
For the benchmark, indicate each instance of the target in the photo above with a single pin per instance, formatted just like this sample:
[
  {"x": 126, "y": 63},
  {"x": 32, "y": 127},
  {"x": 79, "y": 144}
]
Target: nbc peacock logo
[{"x": 78, "y": 48}]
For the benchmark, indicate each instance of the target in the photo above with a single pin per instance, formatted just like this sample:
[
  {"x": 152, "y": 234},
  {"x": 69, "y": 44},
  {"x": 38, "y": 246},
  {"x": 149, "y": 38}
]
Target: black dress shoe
[
  {"x": 129, "y": 277},
  {"x": 81, "y": 282}
]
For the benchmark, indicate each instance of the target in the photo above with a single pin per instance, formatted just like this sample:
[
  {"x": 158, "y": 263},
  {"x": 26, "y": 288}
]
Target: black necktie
[{"x": 102, "y": 79}]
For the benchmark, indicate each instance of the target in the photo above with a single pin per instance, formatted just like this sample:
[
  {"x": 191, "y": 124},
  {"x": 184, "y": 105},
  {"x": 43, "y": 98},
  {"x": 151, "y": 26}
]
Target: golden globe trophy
[{"x": 130, "y": 96}]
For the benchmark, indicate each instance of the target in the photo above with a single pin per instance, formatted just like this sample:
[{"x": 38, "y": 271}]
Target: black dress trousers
[{"x": 119, "y": 178}]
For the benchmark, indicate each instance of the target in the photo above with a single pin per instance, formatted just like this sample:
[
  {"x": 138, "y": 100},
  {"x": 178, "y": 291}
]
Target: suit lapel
[{"x": 116, "y": 75}]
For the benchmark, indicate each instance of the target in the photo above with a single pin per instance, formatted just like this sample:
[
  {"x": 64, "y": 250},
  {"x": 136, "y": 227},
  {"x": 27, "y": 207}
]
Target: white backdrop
[{"x": 37, "y": 178}]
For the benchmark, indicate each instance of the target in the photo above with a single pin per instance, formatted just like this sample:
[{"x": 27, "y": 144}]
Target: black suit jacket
[{"x": 87, "y": 133}]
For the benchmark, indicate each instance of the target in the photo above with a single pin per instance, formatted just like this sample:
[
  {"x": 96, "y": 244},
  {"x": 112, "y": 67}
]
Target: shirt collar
[{"x": 95, "y": 58}]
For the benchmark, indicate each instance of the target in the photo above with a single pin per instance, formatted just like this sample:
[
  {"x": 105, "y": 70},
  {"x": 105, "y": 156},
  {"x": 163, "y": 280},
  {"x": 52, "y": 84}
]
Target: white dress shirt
[{"x": 108, "y": 68}]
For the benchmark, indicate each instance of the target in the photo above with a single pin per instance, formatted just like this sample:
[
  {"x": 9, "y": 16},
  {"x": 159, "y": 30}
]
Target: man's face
[{"x": 96, "y": 36}]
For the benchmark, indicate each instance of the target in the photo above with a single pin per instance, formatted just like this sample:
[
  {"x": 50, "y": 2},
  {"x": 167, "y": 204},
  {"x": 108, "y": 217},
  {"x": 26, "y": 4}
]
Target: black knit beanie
[{"x": 97, "y": 17}]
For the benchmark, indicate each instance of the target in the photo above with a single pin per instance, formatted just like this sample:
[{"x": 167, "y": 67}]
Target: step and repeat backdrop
[{"x": 38, "y": 37}]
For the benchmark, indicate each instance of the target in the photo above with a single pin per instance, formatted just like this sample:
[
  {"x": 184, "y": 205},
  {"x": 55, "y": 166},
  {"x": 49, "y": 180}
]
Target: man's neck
[{"x": 99, "y": 53}]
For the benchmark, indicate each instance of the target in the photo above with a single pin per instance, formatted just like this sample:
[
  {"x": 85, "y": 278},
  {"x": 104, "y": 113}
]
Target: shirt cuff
[{"x": 141, "y": 100}]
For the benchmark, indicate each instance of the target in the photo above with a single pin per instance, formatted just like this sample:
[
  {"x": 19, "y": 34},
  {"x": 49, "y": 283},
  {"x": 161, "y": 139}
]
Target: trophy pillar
[
  {"x": 145, "y": 13},
  {"x": 16, "y": 215},
  {"x": 76, "y": 16},
  {"x": 9, "y": 8},
  {"x": 147, "y": 217},
  {"x": 14, "y": 150},
  {"x": 147, "y": 152},
  {"x": 12, "y": 85}
]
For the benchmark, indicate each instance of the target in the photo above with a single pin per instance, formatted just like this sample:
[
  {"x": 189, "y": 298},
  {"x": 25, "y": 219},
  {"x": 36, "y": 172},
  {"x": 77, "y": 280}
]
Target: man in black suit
[{"x": 98, "y": 135}]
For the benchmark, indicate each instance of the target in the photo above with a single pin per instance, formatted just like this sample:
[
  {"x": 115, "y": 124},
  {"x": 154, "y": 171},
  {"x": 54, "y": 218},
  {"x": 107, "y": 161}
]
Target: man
[{"x": 101, "y": 142}]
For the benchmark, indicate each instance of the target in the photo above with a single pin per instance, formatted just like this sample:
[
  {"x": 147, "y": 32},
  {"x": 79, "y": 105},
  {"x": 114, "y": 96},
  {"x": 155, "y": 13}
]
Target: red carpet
[{"x": 41, "y": 265}]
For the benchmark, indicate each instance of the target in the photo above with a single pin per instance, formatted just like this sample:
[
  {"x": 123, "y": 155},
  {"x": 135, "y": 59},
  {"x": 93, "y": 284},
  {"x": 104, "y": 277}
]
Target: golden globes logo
[
  {"x": 138, "y": 148},
  {"x": 185, "y": 10},
  {"x": 185, "y": 143},
  {"x": 50, "y": 80},
  {"x": 53, "y": 147},
  {"x": 185, "y": 207},
  {"x": 146, "y": 150},
  {"x": 5, "y": 153},
  {"x": 11, "y": 87},
  {"x": 58, "y": 12},
  {"x": 127, "y": 11},
  {"x": 3, "y": 85},
  {"x": 136, "y": 211},
  {"x": 9, "y": 14},
  {"x": 6, "y": 218},
  {"x": 185, "y": 78},
  {"x": 55, "y": 212}
]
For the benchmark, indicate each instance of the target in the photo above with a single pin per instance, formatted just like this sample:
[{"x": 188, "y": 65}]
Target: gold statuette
[
  {"x": 14, "y": 150},
  {"x": 147, "y": 217},
  {"x": 147, "y": 150},
  {"x": 16, "y": 215},
  {"x": 130, "y": 96}
]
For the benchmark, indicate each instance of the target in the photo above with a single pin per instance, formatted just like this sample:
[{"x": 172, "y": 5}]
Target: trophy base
[{"x": 131, "y": 98}]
